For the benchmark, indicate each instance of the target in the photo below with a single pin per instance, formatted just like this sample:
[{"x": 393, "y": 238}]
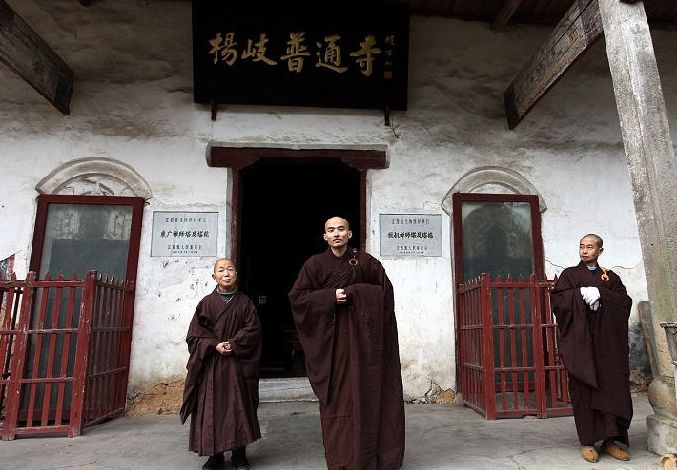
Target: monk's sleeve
[
  {"x": 563, "y": 296},
  {"x": 391, "y": 342},
  {"x": 246, "y": 342},
  {"x": 374, "y": 308},
  {"x": 615, "y": 298},
  {"x": 313, "y": 310},
  {"x": 201, "y": 338},
  {"x": 201, "y": 343},
  {"x": 575, "y": 339},
  {"x": 390, "y": 323},
  {"x": 376, "y": 275},
  {"x": 388, "y": 295}
]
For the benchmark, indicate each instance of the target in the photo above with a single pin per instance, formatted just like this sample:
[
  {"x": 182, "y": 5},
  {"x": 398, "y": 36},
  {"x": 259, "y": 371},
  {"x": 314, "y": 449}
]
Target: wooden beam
[
  {"x": 503, "y": 16},
  {"x": 572, "y": 36},
  {"x": 23, "y": 51},
  {"x": 241, "y": 157}
]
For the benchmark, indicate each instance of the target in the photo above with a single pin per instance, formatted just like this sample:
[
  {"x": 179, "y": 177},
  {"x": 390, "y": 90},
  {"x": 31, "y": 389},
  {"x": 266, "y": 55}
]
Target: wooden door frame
[
  {"x": 238, "y": 158},
  {"x": 459, "y": 198},
  {"x": 457, "y": 220},
  {"x": 44, "y": 200}
]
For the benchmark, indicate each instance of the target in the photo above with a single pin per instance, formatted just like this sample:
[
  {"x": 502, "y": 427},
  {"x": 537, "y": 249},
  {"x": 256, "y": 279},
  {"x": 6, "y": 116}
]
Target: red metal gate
[
  {"x": 65, "y": 350},
  {"x": 509, "y": 361}
]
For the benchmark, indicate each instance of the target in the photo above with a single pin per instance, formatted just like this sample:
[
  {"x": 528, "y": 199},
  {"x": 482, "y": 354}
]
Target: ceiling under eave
[{"x": 661, "y": 13}]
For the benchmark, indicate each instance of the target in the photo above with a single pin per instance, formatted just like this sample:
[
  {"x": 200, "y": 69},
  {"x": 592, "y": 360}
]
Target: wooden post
[
  {"x": 653, "y": 175},
  {"x": 537, "y": 351},
  {"x": 78, "y": 402},
  {"x": 18, "y": 363},
  {"x": 488, "y": 366}
]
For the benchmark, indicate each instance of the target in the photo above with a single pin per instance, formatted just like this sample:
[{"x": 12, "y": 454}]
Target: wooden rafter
[
  {"x": 30, "y": 57},
  {"x": 505, "y": 13},
  {"x": 572, "y": 36}
]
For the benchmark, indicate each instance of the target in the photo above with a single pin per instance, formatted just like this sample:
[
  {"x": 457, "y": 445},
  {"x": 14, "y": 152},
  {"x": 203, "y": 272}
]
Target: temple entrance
[{"x": 283, "y": 203}]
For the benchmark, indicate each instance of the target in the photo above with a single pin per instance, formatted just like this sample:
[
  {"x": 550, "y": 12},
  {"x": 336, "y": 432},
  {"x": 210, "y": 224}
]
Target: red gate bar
[
  {"x": 519, "y": 371},
  {"x": 41, "y": 320},
  {"x": 470, "y": 346},
  {"x": 557, "y": 384},
  {"x": 18, "y": 359},
  {"x": 10, "y": 305},
  {"x": 109, "y": 365}
]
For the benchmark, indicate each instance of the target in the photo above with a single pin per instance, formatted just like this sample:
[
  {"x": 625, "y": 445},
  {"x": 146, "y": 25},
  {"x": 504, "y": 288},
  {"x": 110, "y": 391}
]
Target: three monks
[
  {"x": 343, "y": 306},
  {"x": 222, "y": 385},
  {"x": 592, "y": 310}
]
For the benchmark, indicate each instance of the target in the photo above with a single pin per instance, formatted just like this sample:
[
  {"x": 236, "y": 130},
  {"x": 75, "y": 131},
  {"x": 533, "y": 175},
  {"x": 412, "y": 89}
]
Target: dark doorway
[{"x": 283, "y": 205}]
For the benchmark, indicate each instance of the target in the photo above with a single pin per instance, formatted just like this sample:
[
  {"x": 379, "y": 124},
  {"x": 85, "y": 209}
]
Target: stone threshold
[{"x": 285, "y": 389}]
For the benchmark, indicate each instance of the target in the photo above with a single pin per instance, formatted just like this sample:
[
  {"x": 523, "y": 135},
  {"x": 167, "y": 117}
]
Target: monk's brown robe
[
  {"x": 352, "y": 359},
  {"x": 594, "y": 346},
  {"x": 222, "y": 392}
]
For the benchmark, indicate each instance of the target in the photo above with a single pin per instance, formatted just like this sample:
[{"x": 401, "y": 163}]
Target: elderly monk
[
  {"x": 343, "y": 307},
  {"x": 222, "y": 384},
  {"x": 592, "y": 309}
]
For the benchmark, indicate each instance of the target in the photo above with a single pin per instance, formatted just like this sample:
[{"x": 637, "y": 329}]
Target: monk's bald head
[
  {"x": 225, "y": 274},
  {"x": 590, "y": 249},
  {"x": 336, "y": 234},
  {"x": 594, "y": 238},
  {"x": 336, "y": 221},
  {"x": 224, "y": 263}
]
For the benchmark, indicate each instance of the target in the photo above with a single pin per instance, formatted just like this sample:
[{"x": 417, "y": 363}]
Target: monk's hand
[
  {"x": 224, "y": 348},
  {"x": 341, "y": 297},
  {"x": 590, "y": 295}
]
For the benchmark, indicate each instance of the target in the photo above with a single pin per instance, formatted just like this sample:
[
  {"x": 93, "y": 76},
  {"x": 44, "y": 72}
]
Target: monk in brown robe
[
  {"x": 343, "y": 307},
  {"x": 222, "y": 385},
  {"x": 592, "y": 309}
]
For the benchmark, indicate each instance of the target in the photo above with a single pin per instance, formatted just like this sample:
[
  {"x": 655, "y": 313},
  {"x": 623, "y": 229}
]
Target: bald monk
[
  {"x": 222, "y": 384},
  {"x": 343, "y": 307},
  {"x": 592, "y": 309}
]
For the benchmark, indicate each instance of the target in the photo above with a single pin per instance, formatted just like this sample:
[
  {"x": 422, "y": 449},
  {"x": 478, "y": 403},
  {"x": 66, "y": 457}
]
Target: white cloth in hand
[
  {"x": 594, "y": 306},
  {"x": 590, "y": 295}
]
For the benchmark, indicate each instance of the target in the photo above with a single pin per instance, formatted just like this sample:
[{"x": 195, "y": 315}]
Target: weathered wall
[{"x": 133, "y": 103}]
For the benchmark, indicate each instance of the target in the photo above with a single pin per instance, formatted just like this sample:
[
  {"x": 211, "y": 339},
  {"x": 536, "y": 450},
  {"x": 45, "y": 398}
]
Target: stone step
[{"x": 285, "y": 389}]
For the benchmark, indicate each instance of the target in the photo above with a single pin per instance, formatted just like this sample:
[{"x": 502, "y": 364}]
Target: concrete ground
[{"x": 438, "y": 437}]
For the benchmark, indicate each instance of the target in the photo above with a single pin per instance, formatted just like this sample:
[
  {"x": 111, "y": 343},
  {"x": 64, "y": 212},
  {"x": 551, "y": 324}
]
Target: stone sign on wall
[
  {"x": 411, "y": 234},
  {"x": 184, "y": 234}
]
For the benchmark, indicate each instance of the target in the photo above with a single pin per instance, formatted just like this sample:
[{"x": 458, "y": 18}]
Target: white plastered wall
[{"x": 133, "y": 105}]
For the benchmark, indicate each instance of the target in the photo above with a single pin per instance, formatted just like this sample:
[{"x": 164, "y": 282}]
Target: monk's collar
[
  {"x": 592, "y": 270},
  {"x": 349, "y": 253}
]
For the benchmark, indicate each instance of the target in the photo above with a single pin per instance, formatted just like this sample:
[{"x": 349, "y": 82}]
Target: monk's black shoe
[
  {"x": 215, "y": 461},
  {"x": 239, "y": 459}
]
